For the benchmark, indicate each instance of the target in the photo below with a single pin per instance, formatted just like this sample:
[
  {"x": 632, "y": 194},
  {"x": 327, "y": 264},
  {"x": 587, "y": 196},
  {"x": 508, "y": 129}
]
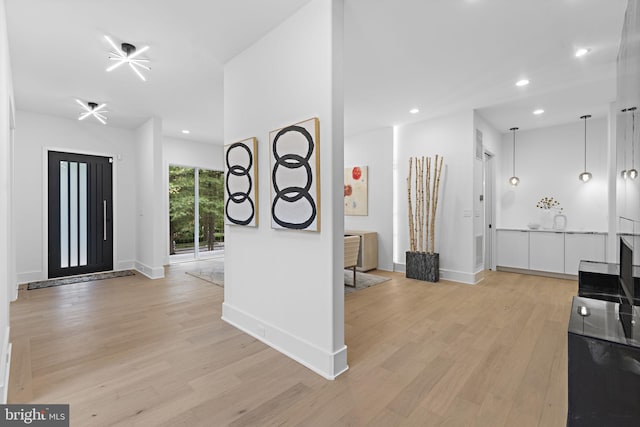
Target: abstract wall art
[
  {"x": 241, "y": 183},
  {"x": 295, "y": 176},
  {"x": 356, "y": 190}
]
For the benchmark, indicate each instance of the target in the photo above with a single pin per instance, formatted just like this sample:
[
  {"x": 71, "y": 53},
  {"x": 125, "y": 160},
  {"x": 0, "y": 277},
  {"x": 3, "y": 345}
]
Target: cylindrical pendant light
[
  {"x": 633, "y": 173},
  {"x": 514, "y": 180},
  {"x": 585, "y": 176},
  {"x": 623, "y": 174}
]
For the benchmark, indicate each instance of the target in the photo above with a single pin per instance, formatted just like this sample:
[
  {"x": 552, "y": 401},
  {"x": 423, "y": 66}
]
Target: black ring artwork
[
  {"x": 293, "y": 193},
  {"x": 239, "y": 197}
]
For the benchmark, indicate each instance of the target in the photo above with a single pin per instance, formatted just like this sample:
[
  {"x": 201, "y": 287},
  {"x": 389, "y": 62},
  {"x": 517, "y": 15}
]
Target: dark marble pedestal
[
  {"x": 604, "y": 364},
  {"x": 600, "y": 280},
  {"x": 422, "y": 266}
]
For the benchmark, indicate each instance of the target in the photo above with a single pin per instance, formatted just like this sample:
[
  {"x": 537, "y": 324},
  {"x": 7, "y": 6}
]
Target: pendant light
[
  {"x": 633, "y": 173},
  {"x": 514, "y": 180},
  {"x": 623, "y": 174},
  {"x": 585, "y": 176}
]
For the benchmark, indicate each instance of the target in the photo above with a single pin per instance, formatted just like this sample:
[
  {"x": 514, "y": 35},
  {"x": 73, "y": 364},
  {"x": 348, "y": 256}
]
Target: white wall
[
  {"x": 35, "y": 133},
  {"x": 375, "y": 150},
  {"x": 193, "y": 154},
  {"x": 186, "y": 153},
  {"x": 452, "y": 137},
  {"x": 7, "y": 260},
  {"x": 613, "y": 175},
  {"x": 151, "y": 237},
  {"x": 491, "y": 137},
  {"x": 286, "y": 287},
  {"x": 628, "y": 152},
  {"x": 548, "y": 162}
]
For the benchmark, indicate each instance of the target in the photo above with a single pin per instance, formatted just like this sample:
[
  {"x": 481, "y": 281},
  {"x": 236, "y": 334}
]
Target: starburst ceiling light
[
  {"x": 93, "y": 109},
  {"x": 128, "y": 54}
]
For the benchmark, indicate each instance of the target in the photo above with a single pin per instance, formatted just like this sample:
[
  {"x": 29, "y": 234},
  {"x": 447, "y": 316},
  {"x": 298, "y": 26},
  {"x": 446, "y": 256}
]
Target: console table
[{"x": 368, "y": 255}]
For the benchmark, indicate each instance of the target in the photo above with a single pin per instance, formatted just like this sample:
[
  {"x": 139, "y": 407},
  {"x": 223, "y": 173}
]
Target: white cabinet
[
  {"x": 513, "y": 248},
  {"x": 546, "y": 251},
  {"x": 549, "y": 251},
  {"x": 581, "y": 246}
]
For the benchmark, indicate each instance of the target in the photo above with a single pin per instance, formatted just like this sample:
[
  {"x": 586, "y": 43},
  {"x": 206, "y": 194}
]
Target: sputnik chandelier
[
  {"x": 128, "y": 54},
  {"x": 93, "y": 109}
]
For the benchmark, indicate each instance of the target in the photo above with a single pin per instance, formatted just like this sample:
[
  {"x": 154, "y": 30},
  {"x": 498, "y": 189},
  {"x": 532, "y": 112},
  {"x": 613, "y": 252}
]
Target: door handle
[{"x": 104, "y": 220}]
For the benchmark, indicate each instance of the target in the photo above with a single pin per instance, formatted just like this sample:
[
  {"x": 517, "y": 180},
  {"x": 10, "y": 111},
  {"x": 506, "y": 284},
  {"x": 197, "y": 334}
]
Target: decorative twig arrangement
[{"x": 422, "y": 217}]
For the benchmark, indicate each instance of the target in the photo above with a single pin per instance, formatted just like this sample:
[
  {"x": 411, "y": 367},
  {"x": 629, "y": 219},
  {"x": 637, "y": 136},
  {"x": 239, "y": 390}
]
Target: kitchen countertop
[{"x": 550, "y": 230}]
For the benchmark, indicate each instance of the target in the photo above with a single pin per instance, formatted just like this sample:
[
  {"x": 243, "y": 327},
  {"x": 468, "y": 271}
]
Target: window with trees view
[{"x": 196, "y": 206}]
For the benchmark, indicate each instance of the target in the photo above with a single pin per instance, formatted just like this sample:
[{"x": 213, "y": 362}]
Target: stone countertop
[{"x": 551, "y": 230}]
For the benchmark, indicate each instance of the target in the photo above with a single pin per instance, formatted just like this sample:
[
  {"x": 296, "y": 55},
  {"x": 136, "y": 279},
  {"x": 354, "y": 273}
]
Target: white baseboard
[
  {"x": 458, "y": 276},
  {"x": 451, "y": 275},
  {"x": 479, "y": 276},
  {"x": 30, "y": 276},
  {"x": 5, "y": 366},
  {"x": 150, "y": 272},
  {"x": 328, "y": 365},
  {"x": 538, "y": 273}
]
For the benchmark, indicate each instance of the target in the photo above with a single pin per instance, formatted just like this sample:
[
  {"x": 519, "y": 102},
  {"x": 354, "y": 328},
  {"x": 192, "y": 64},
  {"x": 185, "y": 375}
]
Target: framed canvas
[
  {"x": 356, "y": 190},
  {"x": 295, "y": 176},
  {"x": 241, "y": 183}
]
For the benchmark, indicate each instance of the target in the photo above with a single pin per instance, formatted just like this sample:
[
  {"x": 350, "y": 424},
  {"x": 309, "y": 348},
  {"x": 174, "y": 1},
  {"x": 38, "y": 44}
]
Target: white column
[{"x": 285, "y": 287}]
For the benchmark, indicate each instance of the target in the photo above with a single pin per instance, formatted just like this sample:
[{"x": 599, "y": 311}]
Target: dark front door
[{"x": 80, "y": 214}]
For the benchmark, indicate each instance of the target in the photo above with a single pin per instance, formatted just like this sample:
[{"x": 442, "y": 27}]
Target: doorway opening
[
  {"x": 196, "y": 206},
  {"x": 489, "y": 211}
]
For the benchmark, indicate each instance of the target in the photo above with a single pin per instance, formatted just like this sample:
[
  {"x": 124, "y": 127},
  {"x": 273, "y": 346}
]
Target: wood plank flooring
[{"x": 136, "y": 352}]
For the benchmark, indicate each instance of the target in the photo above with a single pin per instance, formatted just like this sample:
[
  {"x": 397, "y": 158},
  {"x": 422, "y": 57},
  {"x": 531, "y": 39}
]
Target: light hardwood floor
[{"x": 132, "y": 351}]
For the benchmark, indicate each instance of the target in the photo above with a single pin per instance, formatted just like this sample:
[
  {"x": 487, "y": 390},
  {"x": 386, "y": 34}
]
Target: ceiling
[{"x": 441, "y": 56}]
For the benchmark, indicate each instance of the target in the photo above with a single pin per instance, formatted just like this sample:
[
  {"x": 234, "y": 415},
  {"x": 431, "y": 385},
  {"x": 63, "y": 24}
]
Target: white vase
[
  {"x": 559, "y": 222},
  {"x": 546, "y": 219}
]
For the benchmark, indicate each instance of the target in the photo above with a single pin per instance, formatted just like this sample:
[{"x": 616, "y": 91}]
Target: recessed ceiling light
[
  {"x": 93, "y": 109},
  {"x": 414, "y": 111},
  {"x": 185, "y": 131},
  {"x": 128, "y": 54},
  {"x": 538, "y": 111},
  {"x": 522, "y": 82},
  {"x": 582, "y": 52}
]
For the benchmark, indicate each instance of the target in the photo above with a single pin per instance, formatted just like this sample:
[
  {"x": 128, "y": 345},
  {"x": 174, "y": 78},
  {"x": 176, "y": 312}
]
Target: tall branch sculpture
[{"x": 422, "y": 214}]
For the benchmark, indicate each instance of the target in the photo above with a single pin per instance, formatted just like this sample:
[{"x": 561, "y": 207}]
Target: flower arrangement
[{"x": 548, "y": 203}]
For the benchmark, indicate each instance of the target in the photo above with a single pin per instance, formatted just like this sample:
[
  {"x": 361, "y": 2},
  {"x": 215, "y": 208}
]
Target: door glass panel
[
  {"x": 64, "y": 214},
  {"x": 181, "y": 210},
  {"x": 83, "y": 213},
  {"x": 196, "y": 209},
  {"x": 73, "y": 213},
  {"x": 210, "y": 209}
]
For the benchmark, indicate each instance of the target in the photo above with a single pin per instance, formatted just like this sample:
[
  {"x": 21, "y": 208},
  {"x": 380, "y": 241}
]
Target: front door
[{"x": 80, "y": 214}]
